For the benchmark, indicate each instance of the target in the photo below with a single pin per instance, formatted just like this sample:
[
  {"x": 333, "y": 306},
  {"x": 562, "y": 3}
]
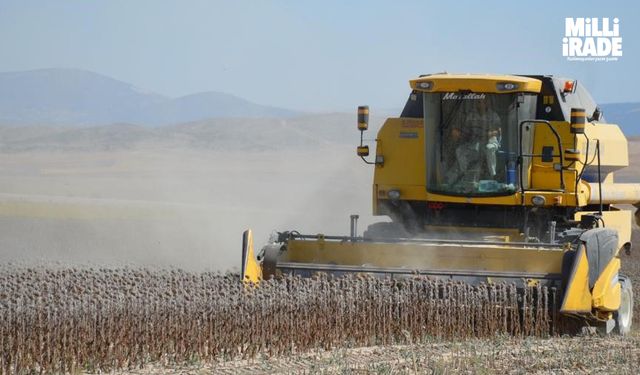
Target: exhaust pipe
[{"x": 354, "y": 226}]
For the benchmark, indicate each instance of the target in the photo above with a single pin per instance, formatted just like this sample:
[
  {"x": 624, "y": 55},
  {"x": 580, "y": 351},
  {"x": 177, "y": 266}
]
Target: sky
[{"x": 313, "y": 56}]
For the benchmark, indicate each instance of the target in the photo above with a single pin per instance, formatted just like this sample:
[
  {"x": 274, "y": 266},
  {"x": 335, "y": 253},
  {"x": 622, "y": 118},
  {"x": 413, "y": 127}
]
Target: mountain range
[
  {"x": 80, "y": 97},
  {"x": 626, "y": 115},
  {"x": 73, "y": 97}
]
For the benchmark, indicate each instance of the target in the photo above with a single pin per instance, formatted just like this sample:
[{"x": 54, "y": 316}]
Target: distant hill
[
  {"x": 627, "y": 115},
  {"x": 72, "y": 97},
  {"x": 80, "y": 97},
  {"x": 207, "y": 105},
  {"x": 229, "y": 134}
]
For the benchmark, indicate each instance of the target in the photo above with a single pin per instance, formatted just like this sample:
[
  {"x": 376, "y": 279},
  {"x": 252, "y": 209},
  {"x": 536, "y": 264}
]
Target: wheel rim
[{"x": 625, "y": 308}]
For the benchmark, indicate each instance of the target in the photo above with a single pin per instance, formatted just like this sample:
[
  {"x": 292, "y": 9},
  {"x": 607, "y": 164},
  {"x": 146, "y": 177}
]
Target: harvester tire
[{"x": 624, "y": 315}]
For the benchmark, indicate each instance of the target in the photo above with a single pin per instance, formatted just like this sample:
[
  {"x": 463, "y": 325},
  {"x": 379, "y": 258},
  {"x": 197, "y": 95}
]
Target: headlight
[
  {"x": 394, "y": 195},
  {"x": 506, "y": 86},
  {"x": 538, "y": 200},
  {"x": 426, "y": 85}
]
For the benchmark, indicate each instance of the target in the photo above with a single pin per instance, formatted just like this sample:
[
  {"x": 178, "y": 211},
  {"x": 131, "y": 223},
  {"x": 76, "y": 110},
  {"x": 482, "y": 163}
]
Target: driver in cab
[{"x": 475, "y": 141}]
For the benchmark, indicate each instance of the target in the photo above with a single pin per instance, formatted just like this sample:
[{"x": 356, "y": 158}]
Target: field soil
[{"x": 501, "y": 355}]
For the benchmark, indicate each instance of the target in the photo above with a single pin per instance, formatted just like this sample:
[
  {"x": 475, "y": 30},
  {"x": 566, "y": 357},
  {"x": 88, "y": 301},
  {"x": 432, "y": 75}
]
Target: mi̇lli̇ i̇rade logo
[{"x": 592, "y": 39}]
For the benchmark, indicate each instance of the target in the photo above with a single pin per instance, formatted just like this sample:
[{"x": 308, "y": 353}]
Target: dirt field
[{"x": 501, "y": 355}]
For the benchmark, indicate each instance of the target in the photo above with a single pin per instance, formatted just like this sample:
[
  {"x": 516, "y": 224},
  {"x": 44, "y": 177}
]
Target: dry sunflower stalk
[{"x": 64, "y": 319}]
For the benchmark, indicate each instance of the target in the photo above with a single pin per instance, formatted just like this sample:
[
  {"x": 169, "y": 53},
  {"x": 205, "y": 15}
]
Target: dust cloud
[{"x": 184, "y": 208}]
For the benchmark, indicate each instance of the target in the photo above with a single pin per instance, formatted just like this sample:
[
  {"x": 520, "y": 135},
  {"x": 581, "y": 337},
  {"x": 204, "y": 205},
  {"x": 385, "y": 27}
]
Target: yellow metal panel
[
  {"x": 543, "y": 174},
  {"x": 504, "y": 200},
  {"x": 415, "y": 256},
  {"x": 583, "y": 193},
  {"x": 251, "y": 272},
  {"x": 476, "y": 82},
  {"x": 606, "y": 290},
  {"x": 577, "y": 297},
  {"x": 614, "y": 152},
  {"x": 401, "y": 143}
]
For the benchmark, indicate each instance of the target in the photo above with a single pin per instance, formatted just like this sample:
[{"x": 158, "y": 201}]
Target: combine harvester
[{"x": 488, "y": 179}]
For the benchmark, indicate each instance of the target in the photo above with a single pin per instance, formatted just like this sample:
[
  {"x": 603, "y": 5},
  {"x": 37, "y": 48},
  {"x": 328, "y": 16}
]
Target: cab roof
[{"x": 488, "y": 83}]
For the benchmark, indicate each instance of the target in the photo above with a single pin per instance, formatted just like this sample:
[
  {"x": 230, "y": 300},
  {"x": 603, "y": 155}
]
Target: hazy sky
[{"x": 323, "y": 55}]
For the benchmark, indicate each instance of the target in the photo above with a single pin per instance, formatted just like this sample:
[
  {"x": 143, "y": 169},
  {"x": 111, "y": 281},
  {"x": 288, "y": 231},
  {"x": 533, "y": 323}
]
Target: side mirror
[
  {"x": 596, "y": 116},
  {"x": 363, "y": 117}
]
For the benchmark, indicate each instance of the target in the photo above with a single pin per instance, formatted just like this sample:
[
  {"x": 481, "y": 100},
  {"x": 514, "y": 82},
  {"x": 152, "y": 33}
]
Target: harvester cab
[{"x": 487, "y": 179}]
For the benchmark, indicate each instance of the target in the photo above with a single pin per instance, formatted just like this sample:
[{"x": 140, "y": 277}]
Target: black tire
[{"x": 624, "y": 315}]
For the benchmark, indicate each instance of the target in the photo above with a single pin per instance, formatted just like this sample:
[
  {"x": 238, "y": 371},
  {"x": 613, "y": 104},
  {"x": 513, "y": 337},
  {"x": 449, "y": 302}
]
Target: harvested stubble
[{"x": 63, "y": 319}]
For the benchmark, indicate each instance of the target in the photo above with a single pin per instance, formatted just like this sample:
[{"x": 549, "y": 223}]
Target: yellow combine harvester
[{"x": 488, "y": 178}]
